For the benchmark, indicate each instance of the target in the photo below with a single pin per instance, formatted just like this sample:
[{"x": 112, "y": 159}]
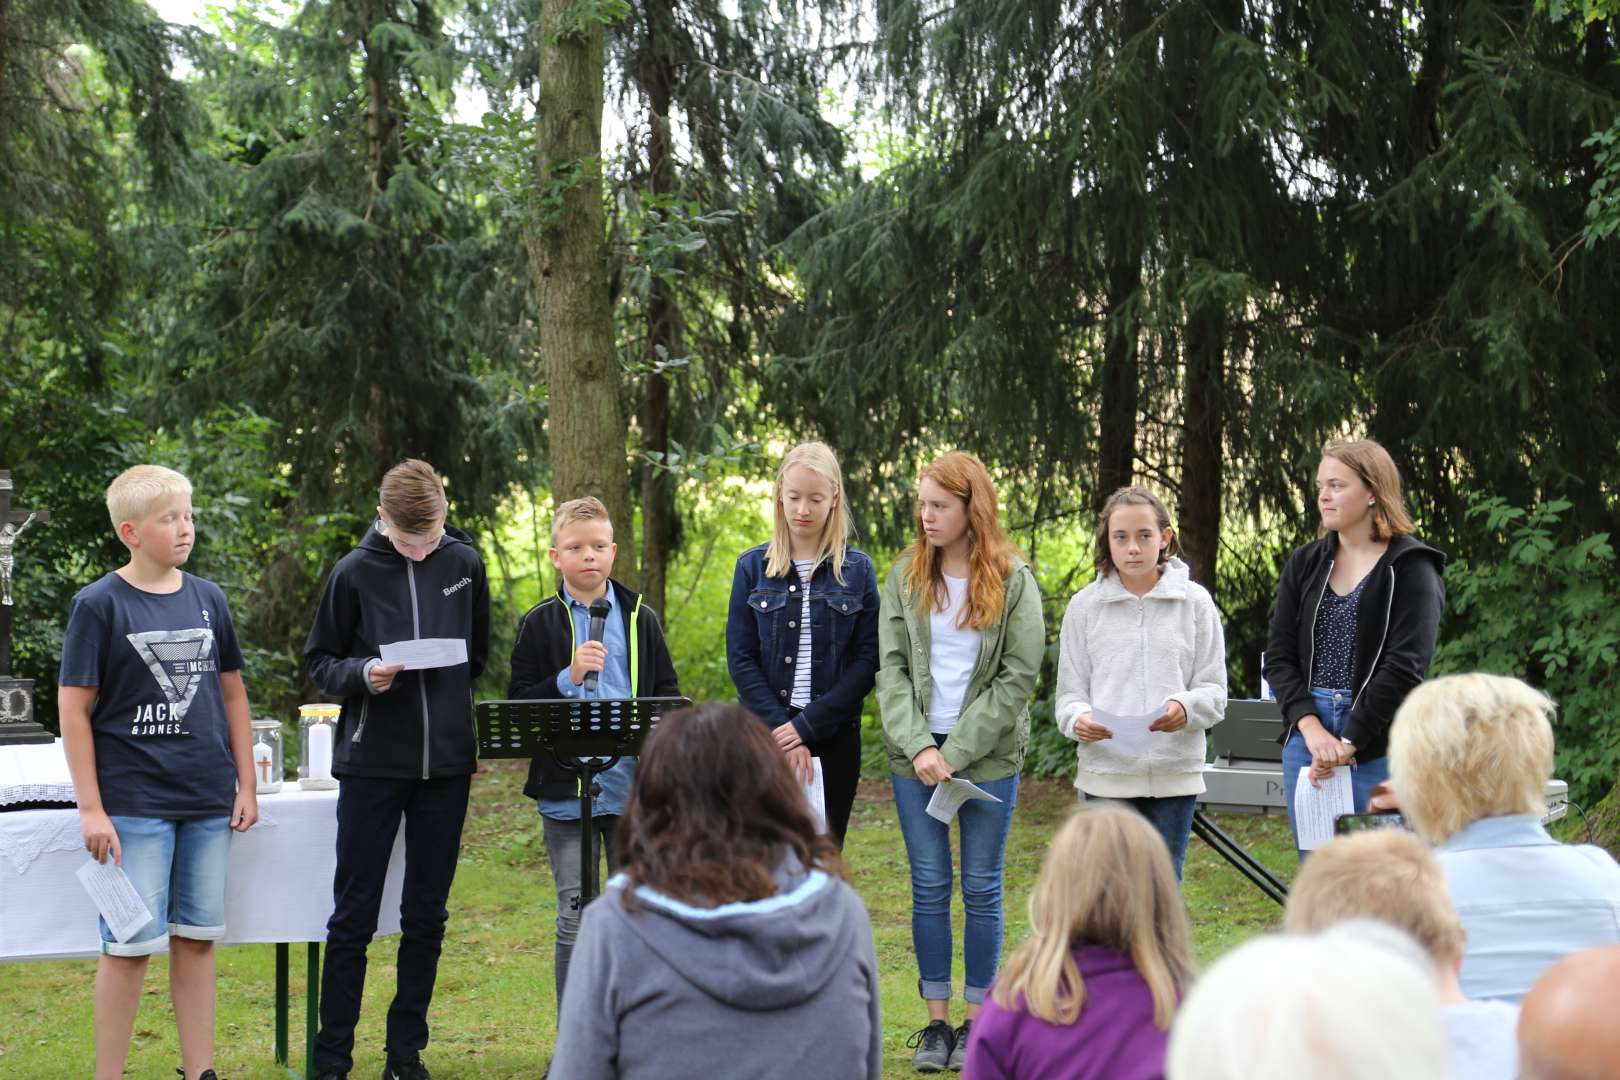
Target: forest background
[{"x": 638, "y": 247}]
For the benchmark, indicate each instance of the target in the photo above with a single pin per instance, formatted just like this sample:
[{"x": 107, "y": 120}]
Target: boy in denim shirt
[
  {"x": 156, "y": 727},
  {"x": 552, "y": 658}
]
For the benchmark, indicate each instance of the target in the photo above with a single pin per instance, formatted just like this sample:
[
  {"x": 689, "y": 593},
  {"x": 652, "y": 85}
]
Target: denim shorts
[{"x": 178, "y": 867}]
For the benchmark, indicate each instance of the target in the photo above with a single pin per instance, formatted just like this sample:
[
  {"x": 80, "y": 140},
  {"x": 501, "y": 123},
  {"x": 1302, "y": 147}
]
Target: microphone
[{"x": 599, "y": 614}]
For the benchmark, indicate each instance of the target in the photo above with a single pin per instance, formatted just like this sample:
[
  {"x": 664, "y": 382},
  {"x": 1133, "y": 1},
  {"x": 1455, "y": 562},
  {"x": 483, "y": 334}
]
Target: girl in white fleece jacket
[{"x": 1143, "y": 639}]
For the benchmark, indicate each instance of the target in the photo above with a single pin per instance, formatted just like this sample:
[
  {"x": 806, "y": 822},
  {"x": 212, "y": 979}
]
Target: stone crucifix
[{"x": 12, "y": 525}]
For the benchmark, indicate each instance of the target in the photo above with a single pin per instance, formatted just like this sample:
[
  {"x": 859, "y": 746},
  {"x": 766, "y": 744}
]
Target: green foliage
[{"x": 1541, "y": 607}]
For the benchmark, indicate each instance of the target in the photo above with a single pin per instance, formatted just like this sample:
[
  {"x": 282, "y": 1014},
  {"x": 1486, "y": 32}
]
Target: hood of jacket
[{"x": 754, "y": 955}]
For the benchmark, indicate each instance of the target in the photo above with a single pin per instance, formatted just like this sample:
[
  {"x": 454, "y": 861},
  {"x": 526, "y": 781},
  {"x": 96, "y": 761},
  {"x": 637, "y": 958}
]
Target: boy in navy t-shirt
[{"x": 156, "y": 726}]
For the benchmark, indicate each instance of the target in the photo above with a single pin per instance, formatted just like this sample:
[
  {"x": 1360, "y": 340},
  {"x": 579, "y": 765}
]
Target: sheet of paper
[
  {"x": 815, "y": 791},
  {"x": 428, "y": 652},
  {"x": 114, "y": 897},
  {"x": 949, "y": 797},
  {"x": 1131, "y": 734},
  {"x": 1316, "y": 807}
]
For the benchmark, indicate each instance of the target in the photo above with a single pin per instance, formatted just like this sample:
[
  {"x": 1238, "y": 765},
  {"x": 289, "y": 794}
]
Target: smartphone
[{"x": 1352, "y": 823}]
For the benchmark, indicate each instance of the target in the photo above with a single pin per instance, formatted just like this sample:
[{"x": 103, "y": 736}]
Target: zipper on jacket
[
  {"x": 421, "y": 682},
  {"x": 1389, "y": 606},
  {"x": 1310, "y": 660},
  {"x": 365, "y": 707}
]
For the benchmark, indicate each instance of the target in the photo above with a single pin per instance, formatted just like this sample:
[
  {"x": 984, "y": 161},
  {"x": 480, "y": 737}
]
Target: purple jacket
[{"x": 1113, "y": 1038}]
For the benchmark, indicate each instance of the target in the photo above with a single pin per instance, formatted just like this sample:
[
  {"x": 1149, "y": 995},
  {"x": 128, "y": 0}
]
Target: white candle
[
  {"x": 320, "y": 751},
  {"x": 263, "y": 762}
]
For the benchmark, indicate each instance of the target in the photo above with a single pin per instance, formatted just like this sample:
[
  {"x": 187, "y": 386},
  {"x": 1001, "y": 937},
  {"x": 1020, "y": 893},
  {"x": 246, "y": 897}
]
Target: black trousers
[
  {"x": 368, "y": 816},
  {"x": 840, "y": 755}
]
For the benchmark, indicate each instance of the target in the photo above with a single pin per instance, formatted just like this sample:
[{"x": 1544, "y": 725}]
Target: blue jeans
[
  {"x": 178, "y": 867},
  {"x": 984, "y": 827},
  {"x": 1172, "y": 818},
  {"x": 1333, "y": 709}
]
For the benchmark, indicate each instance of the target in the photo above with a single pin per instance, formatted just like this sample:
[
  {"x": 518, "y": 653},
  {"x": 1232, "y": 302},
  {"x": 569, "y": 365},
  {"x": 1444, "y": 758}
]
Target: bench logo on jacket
[{"x": 178, "y": 660}]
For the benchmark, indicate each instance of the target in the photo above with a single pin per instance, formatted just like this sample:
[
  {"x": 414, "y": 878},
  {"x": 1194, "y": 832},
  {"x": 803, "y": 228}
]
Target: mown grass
[{"x": 494, "y": 1013}]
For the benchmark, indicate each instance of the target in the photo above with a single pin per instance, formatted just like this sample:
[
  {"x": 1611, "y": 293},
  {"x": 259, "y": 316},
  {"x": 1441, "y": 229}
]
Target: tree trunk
[
  {"x": 1201, "y": 446},
  {"x": 568, "y": 251},
  {"x": 1122, "y": 324},
  {"x": 656, "y": 73}
]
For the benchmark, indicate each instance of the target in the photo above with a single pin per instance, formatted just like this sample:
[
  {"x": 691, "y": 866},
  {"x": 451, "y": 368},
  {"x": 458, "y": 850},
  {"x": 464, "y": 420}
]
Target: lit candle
[
  {"x": 320, "y": 751},
  {"x": 262, "y": 758}
]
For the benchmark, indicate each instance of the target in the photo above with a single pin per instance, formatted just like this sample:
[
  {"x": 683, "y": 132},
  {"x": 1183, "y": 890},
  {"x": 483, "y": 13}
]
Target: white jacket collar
[{"x": 1172, "y": 584}]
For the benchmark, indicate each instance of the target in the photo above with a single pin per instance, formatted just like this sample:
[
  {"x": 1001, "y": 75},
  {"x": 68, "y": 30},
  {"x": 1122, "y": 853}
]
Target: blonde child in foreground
[
  {"x": 1091, "y": 994},
  {"x": 156, "y": 727}
]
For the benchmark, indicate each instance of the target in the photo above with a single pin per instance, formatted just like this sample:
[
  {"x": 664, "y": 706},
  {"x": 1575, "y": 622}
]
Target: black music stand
[{"x": 583, "y": 736}]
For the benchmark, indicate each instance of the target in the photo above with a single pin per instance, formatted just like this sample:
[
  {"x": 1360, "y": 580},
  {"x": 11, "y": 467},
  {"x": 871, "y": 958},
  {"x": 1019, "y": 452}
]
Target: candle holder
[
  {"x": 269, "y": 760},
  {"x": 317, "y": 726}
]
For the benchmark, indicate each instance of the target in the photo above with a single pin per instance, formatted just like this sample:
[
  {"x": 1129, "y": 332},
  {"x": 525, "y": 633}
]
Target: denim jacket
[{"x": 762, "y": 642}]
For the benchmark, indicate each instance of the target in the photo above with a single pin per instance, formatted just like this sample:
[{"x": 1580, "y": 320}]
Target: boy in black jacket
[
  {"x": 406, "y": 748},
  {"x": 552, "y": 658}
]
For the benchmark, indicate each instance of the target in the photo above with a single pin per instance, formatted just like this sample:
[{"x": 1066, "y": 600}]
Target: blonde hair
[
  {"x": 1386, "y": 874},
  {"x": 1130, "y": 496},
  {"x": 834, "y": 539},
  {"x": 1466, "y": 747},
  {"x": 1377, "y": 470},
  {"x": 412, "y": 495},
  {"x": 585, "y": 508},
  {"x": 1107, "y": 881},
  {"x": 1353, "y": 1002},
  {"x": 991, "y": 556},
  {"x": 133, "y": 492}
]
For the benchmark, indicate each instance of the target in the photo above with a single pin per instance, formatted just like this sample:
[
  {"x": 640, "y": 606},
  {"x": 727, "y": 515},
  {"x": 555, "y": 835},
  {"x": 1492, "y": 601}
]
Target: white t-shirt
[
  {"x": 1483, "y": 1037},
  {"x": 801, "y": 664},
  {"x": 951, "y": 660}
]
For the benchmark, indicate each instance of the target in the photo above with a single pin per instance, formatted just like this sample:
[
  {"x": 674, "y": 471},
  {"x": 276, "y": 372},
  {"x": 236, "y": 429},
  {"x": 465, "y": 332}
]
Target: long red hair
[{"x": 991, "y": 556}]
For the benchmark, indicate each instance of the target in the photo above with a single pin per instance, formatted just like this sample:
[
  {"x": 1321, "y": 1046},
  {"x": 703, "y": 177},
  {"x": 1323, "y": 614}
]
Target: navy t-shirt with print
[{"x": 162, "y": 743}]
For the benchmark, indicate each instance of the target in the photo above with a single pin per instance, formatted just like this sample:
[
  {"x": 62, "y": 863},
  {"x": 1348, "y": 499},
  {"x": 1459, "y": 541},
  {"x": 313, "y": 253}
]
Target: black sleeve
[
  {"x": 1414, "y": 624},
  {"x": 478, "y": 646},
  {"x": 1285, "y": 668},
  {"x": 533, "y": 676},
  {"x": 664, "y": 681},
  {"x": 326, "y": 652}
]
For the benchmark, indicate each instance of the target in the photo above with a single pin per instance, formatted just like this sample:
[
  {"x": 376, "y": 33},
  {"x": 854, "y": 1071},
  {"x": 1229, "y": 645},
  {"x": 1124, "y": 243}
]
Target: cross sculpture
[
  {"x": 16, "y": 695},
  {"x": 12, "y": 525}
]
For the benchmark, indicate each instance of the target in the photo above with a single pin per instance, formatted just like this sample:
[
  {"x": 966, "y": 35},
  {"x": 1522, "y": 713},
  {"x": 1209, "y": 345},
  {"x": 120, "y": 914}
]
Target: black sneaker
[
  {"x": 207, "y": 1074},
  {"x": 407, "y": 1070},
  {"x": 933, "y": 1045},
  {"x": 959, "y": 1047}
]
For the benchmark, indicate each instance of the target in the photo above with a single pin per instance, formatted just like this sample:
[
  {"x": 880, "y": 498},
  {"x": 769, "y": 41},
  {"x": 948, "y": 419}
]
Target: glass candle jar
[
  {"x": 269, "y": 761},
  {"x": 317, "y": 725}
]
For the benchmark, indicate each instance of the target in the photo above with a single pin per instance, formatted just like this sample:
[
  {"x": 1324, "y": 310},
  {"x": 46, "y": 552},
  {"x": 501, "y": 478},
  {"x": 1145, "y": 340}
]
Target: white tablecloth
[
  {"x": 35, "y": 772},
  {"x": 278, "y": 888}
]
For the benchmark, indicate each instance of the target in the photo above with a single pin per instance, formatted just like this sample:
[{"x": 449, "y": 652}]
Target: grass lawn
[{"x": 494, "y": 1014}]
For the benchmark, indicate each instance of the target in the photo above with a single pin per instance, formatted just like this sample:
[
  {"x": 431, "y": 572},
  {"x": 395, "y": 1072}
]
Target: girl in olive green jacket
[{"x": 961, "y": 638}]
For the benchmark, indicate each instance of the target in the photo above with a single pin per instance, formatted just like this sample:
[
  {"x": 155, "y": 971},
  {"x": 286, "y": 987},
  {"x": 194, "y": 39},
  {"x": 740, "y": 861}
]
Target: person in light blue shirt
[
  {"x": 1470, "y": 756},
  {"x": 552, "y": 658}
]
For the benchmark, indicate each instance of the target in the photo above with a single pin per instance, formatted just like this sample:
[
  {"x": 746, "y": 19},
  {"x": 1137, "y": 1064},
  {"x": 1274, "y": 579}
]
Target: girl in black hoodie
[{"x": 1355, "y": 623}]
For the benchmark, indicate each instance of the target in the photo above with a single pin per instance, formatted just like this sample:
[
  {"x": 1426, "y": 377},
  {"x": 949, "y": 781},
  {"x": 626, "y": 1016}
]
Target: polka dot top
[{"x": 1333, "y": 660}]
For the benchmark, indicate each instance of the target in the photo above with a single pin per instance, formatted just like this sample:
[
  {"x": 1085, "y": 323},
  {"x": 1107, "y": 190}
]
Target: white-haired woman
[
  {"x": 1470, "y": 756},
  {"x": 1354, "y": 1002}
]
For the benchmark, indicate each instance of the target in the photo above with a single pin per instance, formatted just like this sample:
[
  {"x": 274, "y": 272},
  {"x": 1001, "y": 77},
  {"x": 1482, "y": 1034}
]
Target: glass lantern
[
  {"x": 268, "y": 757},
  {"x": 317, "y": 726}
]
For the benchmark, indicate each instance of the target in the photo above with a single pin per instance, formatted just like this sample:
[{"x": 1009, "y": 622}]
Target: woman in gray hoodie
[{"x": 730, "y": 944}]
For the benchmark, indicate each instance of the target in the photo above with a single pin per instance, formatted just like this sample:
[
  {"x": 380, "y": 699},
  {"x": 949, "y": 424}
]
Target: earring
[{"x": 1372, "y": 502}]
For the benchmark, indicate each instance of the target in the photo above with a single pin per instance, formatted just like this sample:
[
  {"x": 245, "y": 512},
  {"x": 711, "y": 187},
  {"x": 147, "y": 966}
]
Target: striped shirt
[{"x": 801, "y": 665}]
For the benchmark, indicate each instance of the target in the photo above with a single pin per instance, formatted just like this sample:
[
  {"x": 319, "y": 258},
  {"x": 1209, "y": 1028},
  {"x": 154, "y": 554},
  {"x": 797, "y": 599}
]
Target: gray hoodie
[{"x": 785, "y": 986}]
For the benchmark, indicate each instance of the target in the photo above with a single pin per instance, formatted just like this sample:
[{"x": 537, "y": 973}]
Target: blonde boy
[
  {"x": 1390, "y": 876},
  {"x": 552, "y": 658},
  {"x": 155, "y": 721}
]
